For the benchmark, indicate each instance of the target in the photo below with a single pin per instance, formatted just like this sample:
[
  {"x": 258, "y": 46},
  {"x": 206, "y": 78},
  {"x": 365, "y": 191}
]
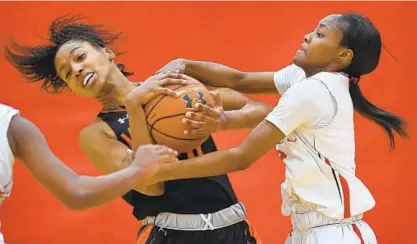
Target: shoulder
[
  {"x": 309, "y": 88},
  {"x": 291, "y": 71},
  {"x": 96, "y": 130},
  {"x": 7, "y": 113}
]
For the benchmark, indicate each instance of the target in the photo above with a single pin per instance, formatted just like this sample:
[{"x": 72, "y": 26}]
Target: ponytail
[{"x": 388, "y": 121}]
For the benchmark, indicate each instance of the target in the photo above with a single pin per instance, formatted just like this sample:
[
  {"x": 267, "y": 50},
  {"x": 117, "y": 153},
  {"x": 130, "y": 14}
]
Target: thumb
[{"x": 217, "y": 99}]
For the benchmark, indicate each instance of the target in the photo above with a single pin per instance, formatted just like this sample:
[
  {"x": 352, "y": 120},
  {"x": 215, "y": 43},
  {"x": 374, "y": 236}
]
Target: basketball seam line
[
  {"x": 177, "y": 138},
  {"x": 163, "y": 96}
]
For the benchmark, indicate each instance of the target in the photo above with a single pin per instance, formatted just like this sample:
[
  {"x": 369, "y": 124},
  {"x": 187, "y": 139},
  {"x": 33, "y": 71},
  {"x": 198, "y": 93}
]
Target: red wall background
[{"x": 247, "y": 35}]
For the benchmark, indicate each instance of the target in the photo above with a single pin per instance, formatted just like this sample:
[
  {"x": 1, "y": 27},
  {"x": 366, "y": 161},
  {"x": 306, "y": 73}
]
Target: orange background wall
[{"x": 249, "y": 36}]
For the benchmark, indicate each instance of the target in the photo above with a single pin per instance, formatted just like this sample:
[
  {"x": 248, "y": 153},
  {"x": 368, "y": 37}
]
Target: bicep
[
  {"x": 299, "y": 106},
  {"x": 32, "y": 148},
  {"x": 256, "y": 82}
]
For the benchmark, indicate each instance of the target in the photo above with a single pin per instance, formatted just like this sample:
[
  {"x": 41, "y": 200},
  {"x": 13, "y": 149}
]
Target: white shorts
[{"x": 315, "y": 228}]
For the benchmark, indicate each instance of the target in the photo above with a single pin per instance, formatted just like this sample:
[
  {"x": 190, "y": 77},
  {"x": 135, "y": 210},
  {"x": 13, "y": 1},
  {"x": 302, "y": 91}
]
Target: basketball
[{"x": 164, "y": 114}]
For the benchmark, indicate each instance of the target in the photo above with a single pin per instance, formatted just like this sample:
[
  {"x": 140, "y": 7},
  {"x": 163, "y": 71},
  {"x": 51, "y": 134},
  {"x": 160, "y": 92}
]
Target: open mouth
[{"x": 88, "y": 78}]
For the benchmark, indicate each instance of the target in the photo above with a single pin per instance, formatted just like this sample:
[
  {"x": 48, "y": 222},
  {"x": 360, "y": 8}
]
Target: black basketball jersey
[{"x": 189, "y": 196}]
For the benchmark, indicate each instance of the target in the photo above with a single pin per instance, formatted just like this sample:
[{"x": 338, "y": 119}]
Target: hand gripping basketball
[
  {"x": 206, "y": 120},
  {"x": 154, "y": 86}
]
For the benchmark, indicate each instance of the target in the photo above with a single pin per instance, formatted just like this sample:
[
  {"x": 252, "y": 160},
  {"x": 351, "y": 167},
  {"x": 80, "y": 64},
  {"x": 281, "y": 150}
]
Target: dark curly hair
[{"x": 36, "y": 63}]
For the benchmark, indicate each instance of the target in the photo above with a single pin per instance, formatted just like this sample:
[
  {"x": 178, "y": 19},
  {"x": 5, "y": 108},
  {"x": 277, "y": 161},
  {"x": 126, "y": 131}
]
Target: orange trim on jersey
[
  {"x": 144, "y": 235},
  {"x": 113, "y": 111},
  {"x": 358, "y": 232},
  {"x": 200, "y": 151},
  {"x": 190, "y": 154},
  {"x": 126, "y": 138},
  {"x": 346, "y": 201},
  {"x": 254, "y": 233},
  {"x": 346, "y": 196}
]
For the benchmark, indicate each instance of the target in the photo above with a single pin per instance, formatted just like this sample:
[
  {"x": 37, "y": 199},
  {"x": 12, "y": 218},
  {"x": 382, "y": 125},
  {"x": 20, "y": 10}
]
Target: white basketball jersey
[
  {"x": 316, "y": 115},
  {"x": 6, "y": 155}
]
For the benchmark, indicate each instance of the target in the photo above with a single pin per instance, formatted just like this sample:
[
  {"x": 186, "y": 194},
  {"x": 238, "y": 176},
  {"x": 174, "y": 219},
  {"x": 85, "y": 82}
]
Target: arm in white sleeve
[{"x": 288, "y": 76}]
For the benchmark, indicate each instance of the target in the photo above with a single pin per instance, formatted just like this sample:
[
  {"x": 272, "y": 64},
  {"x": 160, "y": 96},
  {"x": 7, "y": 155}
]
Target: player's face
[
  {"x": 320, "y": 49},
  {"x": 83, "y": 67}
]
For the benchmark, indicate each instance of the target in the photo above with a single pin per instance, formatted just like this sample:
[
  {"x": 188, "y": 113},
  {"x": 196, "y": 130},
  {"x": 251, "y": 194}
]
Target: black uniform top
[{"x": 190, "y": 196}]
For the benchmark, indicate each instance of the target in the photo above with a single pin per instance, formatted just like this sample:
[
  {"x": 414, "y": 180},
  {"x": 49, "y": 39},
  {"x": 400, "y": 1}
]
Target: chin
[{"x": 298, "y": 61}]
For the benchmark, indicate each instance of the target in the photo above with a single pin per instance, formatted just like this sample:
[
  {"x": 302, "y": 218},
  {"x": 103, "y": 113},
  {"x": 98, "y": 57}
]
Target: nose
[
  {"x": 307, "y": 38},
  {"x": 77, "y": 69}
]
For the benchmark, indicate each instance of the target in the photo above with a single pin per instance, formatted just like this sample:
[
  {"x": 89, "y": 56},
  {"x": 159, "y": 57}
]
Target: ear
[
  {"x": 109, "y": 53},
  {"x": 345, "y": 55}
]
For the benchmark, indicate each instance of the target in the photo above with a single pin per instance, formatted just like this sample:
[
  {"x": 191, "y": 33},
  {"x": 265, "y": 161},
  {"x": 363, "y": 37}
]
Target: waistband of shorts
[
  {"x": 198, "y": 222},
  {"x": 312, "y": 220}
]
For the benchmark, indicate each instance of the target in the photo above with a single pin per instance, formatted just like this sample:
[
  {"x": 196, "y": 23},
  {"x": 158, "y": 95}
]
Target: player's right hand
[{"x": 154, "y": 86}]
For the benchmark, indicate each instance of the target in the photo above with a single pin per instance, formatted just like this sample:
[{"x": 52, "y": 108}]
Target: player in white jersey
[
  {"x": 312, "y": 127},
  {"x": 20, "y": 138}
]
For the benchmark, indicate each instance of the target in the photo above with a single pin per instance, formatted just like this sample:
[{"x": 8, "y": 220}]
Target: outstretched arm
[
  {"x": 298, "y": 107},
  {"x": 76, "y": 192},
  {"x": 219, "y": 75},
  {"x": 263, "y": 138},
  {"x": 240, "y": 110}
]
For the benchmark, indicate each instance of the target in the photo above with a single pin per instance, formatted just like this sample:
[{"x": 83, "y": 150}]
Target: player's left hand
[{"x": 204, "y": 120}]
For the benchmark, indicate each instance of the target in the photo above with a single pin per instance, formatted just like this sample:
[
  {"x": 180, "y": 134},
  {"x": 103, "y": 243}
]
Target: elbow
[
  {"x": 77, "y": 200},
  {"x": 78, "y": 197},
  {"x": 236, "y": 81}
]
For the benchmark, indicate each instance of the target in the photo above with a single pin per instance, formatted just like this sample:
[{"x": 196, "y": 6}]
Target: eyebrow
[
  {"x": 72, "y": 51},
  {"x": 323, "y": 25}
]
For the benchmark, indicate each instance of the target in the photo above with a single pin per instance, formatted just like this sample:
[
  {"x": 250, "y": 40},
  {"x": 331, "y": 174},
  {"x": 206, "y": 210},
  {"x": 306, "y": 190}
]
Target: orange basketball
[{"x": 164, "y": 114}]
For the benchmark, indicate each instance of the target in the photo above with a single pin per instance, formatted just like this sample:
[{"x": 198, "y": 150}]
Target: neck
[
  {"x": 115, "y": 90},
  {"x": 329, "y": 68}
]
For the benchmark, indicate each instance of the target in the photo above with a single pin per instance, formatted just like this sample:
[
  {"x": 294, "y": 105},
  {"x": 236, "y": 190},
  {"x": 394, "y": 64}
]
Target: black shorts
[{"x": 240, "y": 233}]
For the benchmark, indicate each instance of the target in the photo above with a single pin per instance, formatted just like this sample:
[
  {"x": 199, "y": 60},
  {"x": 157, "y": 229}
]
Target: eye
[
  {"x": 68, "y": 74},
  {"x": 319, "y": 35},
  {"x": 81, "y": 57}
]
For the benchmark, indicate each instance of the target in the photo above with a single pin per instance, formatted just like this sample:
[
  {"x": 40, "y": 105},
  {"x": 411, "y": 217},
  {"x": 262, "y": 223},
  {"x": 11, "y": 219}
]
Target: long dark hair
[
  {"x": 36, "y": 63},
  {"x": 361, "y": 36}
]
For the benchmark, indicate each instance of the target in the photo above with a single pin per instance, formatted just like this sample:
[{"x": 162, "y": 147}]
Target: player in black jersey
[{"x": 203, "y": 210}]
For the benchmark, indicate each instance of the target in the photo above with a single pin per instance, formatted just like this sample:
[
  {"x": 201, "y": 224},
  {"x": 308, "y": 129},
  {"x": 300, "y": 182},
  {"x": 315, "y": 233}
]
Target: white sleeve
[
  {"x": 6, "y": 115},
  {"x": 288, "y": 76},
  {"x": 306, "y": 104}
]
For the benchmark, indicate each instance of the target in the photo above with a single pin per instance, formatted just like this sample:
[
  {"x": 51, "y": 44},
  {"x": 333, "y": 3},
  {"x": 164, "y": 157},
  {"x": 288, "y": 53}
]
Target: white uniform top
[
  {"x": 316, "y": 115},
  {"x": 6, "y": 155}
]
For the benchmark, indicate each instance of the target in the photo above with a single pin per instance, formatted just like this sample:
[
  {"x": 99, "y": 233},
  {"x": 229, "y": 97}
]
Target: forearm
[
  {"x": 219, "y": 75},
  {"x": 138, "y": 127},
  {"x": 87, "y": 191},
  {"x": 249, "y": 116},
  {"x": 213, "y": 74},
  {"x": 140, "y": 136},
  {"x": 212, "y": 164}
]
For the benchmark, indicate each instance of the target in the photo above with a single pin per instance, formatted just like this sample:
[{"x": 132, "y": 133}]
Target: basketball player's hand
[
  {"x": 154, "y": 86},
  {"x": 205, "y": 120},
  {"x": 176, "y": 65},
  {"x": 148, "y": 158}
]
